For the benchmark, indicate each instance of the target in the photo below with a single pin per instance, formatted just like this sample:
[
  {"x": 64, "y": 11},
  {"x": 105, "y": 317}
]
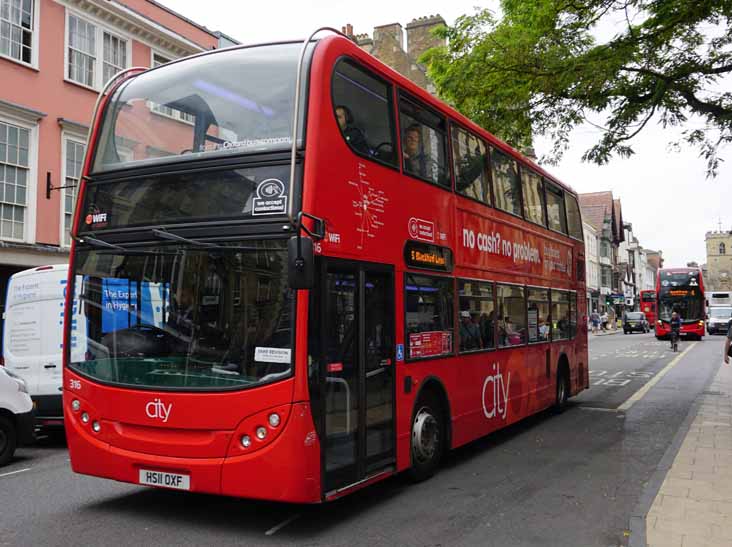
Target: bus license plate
[{"x": 166, "y": 480}]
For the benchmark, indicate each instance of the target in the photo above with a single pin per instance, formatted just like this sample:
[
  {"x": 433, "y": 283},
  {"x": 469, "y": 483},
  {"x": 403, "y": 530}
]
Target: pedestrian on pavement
[
  {"x": 603, "y": 321},
  {"x": 595, "y": 320},
  {"x": 727, "y": 340}
]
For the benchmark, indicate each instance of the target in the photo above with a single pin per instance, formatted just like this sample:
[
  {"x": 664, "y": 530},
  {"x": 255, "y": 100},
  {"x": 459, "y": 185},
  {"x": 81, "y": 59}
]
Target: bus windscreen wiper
[
  {"x": 99, "y": 243},
  {"x": 165, "y": 234}
]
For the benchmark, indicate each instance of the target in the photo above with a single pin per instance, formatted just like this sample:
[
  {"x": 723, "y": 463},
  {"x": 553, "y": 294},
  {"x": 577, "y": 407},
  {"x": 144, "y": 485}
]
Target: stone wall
[{"x": 388, "y": 45}]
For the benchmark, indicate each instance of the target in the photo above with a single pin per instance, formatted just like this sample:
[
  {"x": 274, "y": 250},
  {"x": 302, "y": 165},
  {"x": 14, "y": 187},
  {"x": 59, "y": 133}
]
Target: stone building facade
[
  {"x": 719, "y": 260},
  {"x": 389, "y": 46}
]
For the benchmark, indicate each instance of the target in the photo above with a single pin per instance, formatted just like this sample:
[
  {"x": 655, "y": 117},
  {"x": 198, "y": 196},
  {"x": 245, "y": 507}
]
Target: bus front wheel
[{"x": 428, "y": 437}]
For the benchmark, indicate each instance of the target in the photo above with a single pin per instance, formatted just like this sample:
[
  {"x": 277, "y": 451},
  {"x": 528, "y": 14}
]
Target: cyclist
[{"x": 675, "y": 325}]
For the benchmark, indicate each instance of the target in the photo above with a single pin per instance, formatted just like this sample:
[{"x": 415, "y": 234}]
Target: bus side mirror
[{"x": 300, "y": 263}]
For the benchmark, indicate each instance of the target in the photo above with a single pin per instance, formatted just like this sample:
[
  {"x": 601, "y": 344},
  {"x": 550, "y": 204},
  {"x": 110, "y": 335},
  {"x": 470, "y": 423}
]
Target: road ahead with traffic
[{"x": 573, "y": 479}]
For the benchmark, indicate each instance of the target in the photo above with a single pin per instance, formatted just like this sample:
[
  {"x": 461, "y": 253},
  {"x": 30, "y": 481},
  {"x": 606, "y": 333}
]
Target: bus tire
[
  {"x": 562, "y": 390},
  {"x": 8, "y": 439},
  {"x": 427, "y": 437}
]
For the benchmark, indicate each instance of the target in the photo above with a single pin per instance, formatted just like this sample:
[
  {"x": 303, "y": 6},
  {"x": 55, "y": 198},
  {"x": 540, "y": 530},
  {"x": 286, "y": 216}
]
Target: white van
[
  {"x": 33, "y": 336},
  {"x": 16, "y": 414}
]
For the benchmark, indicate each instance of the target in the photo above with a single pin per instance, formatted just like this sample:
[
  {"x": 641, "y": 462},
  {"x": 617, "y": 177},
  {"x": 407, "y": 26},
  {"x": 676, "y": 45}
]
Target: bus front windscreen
[
  {"x": 186, "y": 317},
  {"x": 687, "y": 302},
  {"x": 228, "y": 102}
]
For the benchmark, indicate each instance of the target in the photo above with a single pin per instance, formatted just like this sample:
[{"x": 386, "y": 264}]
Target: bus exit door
[{"x": 354, "y": 326}]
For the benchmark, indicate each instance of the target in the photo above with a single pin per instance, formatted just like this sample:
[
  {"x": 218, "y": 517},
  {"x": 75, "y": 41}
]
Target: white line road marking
[
  {"x": 15, "y": 472},
  {"x": 281, "y": 525},
  {"x": 598, "y": 408},
  {"x": 638, "y": 395}
]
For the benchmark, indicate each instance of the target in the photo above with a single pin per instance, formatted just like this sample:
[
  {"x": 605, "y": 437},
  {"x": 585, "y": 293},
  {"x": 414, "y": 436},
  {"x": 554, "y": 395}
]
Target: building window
[
  {"x": 605, "y": 249},
  {"x": 73, "y": 162},
  {"x": 14, "y": 169},
  {"x": 87, "y": 64},
  {"x": 722, "y": 248},
  {"x": 606, "y": 276},
  {"x": 16, "y": 29},
  {"x": 428, "y": 307},
  {"x": 115, "y": 56}
]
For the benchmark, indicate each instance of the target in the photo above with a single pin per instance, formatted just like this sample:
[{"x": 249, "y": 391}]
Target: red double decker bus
[
  {"x": 648, "y": 305},
  {"x": 301, "y": 274},
  {"x": 680, "y": 290}
]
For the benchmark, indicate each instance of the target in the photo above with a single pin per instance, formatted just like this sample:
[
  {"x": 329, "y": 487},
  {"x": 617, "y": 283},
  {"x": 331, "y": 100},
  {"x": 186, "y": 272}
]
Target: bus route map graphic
[{"x": 368, "y": 208}]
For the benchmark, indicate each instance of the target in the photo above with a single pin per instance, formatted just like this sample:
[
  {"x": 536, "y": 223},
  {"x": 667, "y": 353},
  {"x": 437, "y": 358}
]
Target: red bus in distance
[
  {"x": 680, "y": 290},
  {"x": 648, "y": 305},
  {"x": 296, "y": 330}
]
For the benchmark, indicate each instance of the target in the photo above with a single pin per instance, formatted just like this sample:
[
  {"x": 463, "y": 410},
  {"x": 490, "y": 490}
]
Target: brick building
[{"x": 55, "y": 56}]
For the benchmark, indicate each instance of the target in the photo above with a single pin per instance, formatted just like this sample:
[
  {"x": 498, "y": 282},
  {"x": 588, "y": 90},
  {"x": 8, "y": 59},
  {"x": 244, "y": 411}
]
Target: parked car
[
  {"x": 718, "y": 321},
  {"x": 635, "y": 321},
  {"x": 16, "y": 414}
]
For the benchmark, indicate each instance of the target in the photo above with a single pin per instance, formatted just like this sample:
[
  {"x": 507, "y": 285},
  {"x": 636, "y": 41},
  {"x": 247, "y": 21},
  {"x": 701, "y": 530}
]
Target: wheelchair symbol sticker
[{"x": 400, "y": 352}]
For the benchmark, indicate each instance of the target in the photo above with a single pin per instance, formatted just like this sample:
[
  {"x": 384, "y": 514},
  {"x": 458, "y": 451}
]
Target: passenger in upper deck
[
  {"x": 353, "y": 135},
  {"x": 416, "y": 161}
]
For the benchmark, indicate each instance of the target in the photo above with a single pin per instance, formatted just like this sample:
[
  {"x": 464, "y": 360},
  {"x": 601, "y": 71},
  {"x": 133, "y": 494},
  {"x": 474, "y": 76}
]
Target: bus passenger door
[{"x": 354, "y": 317}]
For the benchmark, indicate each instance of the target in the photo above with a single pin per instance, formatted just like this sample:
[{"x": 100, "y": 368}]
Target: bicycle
[{"x": 674, "y": 340}]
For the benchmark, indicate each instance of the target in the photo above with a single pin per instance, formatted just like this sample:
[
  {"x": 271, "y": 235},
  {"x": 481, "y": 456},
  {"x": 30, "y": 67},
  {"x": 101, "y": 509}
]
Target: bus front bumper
[{"x": 287, "y": 469}]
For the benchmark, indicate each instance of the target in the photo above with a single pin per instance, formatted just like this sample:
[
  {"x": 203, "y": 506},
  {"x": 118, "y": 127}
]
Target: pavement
[{"x": 693, "y": 507}]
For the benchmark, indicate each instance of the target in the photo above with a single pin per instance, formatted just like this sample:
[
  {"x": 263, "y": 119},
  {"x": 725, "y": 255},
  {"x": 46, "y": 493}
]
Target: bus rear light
[
  {"x": 274, "y": 419},
  {"x": 261, "y": 433},
  {"x": 75, "y": 405}
]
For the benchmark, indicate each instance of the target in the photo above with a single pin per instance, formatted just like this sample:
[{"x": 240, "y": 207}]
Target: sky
[{"x": 665, "y": 194}]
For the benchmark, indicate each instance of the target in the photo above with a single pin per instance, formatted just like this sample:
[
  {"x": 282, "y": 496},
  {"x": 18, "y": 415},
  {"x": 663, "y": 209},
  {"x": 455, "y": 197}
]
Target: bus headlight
[
  {"x": 659, "y": 323},
  {"x": 85, "y": 417},
  {"x": 246, "y": 441},
  {"x": 96, "y": 427},
  {"x": 274, "y": 419},
  {"x": 261, "y": 432},
  {"x": 75, "y": 405},
  {"x": 701, "y": 323}
]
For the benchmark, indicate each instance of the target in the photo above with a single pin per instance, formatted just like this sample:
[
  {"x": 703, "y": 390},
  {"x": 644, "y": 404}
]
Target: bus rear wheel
[
  {"x": 562, "y": 393},
  {"x": 428, "y": 438}
]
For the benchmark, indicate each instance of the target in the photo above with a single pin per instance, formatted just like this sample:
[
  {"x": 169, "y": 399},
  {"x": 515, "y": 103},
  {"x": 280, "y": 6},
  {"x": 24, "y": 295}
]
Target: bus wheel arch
[
  {"x": 431, "y": 410},
  {"x": 563, "y": 385}
]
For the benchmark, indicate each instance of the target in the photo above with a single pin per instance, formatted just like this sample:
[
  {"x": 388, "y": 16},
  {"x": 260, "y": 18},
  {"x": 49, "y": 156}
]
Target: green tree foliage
[{"x": 541, "y": 69}]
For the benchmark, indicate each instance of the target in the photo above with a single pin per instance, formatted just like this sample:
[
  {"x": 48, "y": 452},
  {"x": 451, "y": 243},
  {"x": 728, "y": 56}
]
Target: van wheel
[
  {"x": 428, "y": 438},
  {"x": 8, "y": 440},
  {"x": 562, "y": 392}
]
